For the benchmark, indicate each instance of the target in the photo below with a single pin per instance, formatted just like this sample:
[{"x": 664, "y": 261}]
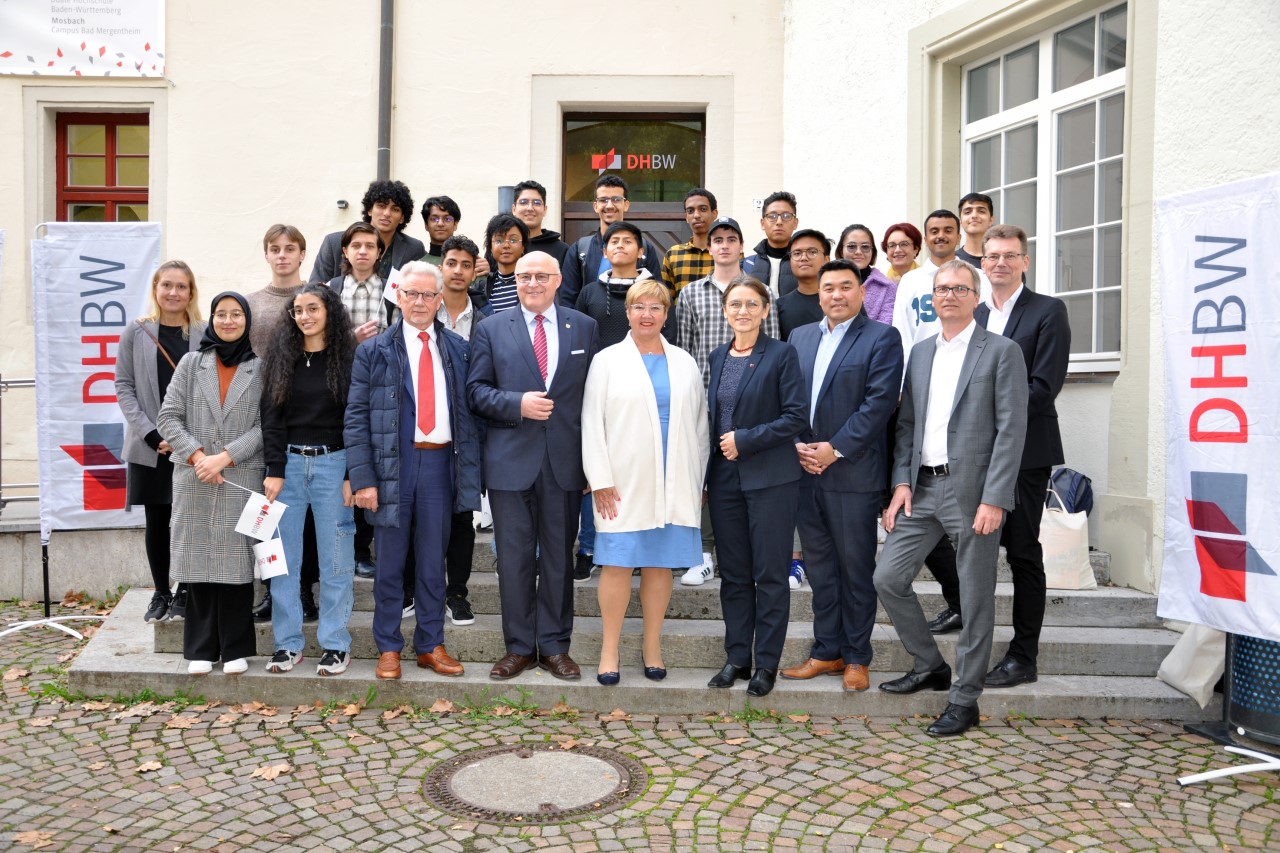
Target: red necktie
[
  {"x": 540, "y": 346},
  {"x": 426, "y": 387}
]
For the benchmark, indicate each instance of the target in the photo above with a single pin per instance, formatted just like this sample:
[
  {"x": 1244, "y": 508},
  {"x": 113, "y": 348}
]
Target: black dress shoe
[
  {"x": 955, "y": 720},
  {"x": 913, "y": 682},
  {"x": 1009, "y": 673},
  {"x": 945, "y": 622},
  {"x": 761, "y": 683},
  {"x": 728, "y": 675}
]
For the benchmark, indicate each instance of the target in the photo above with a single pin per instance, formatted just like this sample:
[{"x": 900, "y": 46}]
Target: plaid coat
[{"x": 204, "y": 546}]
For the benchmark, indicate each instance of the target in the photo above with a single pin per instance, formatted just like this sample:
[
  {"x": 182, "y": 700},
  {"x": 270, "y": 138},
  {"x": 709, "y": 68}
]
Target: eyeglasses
[
  {"x": 806, "y": 253},
  {"x": 613, "y": 199},
  {"x": 306, "y": 311},
  {"x": 227, "y": 316},
  {"x": 736, "y": 307},
  {"x": 648, "y": 309},
  {"x": 529, "y": 277},
  {"x": 960, "y": 290},
  {"x": 905, "y": 245},
  {"x": 1007, "y": 257},
  {"x": 779, "y": 217},
  {"x": 442, "y": 220},
  {"x": 529, "y": 202},
  {"x": 415, "y": 296},
  {"x": 863, "y": 248},
  {"x": 514, "y": 241}
]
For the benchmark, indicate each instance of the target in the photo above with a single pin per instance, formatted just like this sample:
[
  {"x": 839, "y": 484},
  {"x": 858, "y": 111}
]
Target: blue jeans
[
  {"x": 315, "y": 481},
  {"x": 587, "y": 526}
]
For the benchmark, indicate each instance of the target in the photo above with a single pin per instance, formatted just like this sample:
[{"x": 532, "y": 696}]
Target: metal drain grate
[{"x": 528, "y": 783}]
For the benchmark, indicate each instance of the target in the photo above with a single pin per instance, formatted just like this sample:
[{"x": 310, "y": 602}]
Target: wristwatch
[{"x": 838, "y": 454}]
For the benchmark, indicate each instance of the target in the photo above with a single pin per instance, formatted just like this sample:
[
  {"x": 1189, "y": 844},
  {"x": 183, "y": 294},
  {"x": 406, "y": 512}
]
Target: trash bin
[{"x": 1254, "y": 695}]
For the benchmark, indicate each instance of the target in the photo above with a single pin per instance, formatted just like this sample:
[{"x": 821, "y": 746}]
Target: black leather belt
[
  {"x": 314, "y": 449},
  {"x": 936, "y": 470}
]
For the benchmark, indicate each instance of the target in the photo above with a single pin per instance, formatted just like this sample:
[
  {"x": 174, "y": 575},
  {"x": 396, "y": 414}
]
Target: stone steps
[{"x": 121, "y": 659}]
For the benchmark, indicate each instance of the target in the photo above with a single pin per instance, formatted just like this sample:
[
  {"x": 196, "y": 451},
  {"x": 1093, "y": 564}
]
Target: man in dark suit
[
  {"x": 1038, "y": 325},
  {"x": 852, "y": 370},
  {"x": 388, "y": 207},
  {"x": 528, "y": 371},
  {"x": 959, "y": 439}
]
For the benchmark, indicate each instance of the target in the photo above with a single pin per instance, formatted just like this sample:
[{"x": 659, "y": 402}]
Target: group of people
[{"x": 771, "y": 407}]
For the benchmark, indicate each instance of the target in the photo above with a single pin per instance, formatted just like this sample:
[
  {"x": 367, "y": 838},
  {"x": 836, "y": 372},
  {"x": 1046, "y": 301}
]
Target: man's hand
[
  {"x": 728, "y": 446},
  {"x": 536, "y": 406},
  {"x": 606, "y": 501},
  {"x": 366, "y": 330},
  {"x": 816, "y": 458},
  {"x": 988, "y": 519},
  {"x": 271, "y": 487},
  {"x": 901, "y": 501},
  {"x": 367, "y": 498}
]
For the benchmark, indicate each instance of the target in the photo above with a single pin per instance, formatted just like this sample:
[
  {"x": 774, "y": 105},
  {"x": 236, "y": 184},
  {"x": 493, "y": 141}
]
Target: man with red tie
[
  {"x": 413, "y": 450},
  {"x": 528, "y": 371}
]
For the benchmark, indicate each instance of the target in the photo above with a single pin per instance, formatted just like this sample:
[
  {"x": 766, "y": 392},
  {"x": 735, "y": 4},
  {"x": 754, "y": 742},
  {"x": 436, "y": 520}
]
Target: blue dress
[{"x": 672, "y": 546}]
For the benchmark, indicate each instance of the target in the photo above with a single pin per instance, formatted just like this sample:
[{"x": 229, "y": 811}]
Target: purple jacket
[{"x": 881, "y": 291}]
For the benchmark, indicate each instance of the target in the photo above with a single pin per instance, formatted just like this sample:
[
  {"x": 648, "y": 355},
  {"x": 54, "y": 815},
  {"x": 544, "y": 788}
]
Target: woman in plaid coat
[{"x": 211, "y": 417}]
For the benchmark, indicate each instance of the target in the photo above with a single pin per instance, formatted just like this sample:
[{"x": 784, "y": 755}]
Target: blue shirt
[{"x": 827, "y": 346}]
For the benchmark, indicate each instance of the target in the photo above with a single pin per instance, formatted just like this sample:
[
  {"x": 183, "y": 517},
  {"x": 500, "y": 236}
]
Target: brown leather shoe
[
  {"x": 440, "y": 660},
  {"x": 561, "y": 666},
  {"x": 813, "y": 668},
  {"x": 856, "y": 678},
  {"x": 388, "y": 665},
  {"x": 511, "y": 665}
]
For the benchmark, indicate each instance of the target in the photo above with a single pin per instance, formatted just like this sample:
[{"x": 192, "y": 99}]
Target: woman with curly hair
[{"x": 304, "y": 397}]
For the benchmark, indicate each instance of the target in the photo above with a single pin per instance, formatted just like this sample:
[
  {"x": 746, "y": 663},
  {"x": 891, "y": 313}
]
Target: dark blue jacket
[
  {"x": 372, "y": 430},
  {"x": 770, "y": 415},
  {"x": 582, "y": 265}
]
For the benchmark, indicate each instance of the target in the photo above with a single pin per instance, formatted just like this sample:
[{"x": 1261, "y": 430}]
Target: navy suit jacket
[
  {"x": 1039, "y": 326},
  {"x": 503, "y": 369},
  {"x": 858, "y": 395},
  {"x": 769, "y": 416}
]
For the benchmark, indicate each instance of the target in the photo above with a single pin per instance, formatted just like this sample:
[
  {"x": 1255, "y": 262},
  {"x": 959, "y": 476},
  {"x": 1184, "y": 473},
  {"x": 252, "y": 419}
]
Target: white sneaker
[
  {"x": 235, "y": 667},
  {"x": 699, "y": 574},
  {"x": 795, "y": 575},
  {"x": 408, "y": 609},
  {"x": 199, "y": 667},
  {"x": 282, "y": 661}
]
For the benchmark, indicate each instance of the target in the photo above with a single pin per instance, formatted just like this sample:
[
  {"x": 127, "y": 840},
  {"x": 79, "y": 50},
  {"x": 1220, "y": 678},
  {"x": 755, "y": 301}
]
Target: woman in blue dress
[{"x": 645, "y": 444}]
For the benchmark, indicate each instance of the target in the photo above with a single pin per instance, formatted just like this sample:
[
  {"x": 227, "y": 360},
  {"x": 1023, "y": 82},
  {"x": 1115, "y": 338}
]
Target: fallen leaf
[
  {"x": 614, "y": 716},
  {"x": 36, "y": 839},
  {"x": 268, "y": 711},
  {"x": 352, "y": 709},
  {"x": 798, "y": 718},
  {"x": 25, "y": 603},
  {"x": 735, "y": 741},
  {"x": 226, "y": 719},
  {"x": 568, "y": 744},
  {"x": 822, "y": 732},
  {"x": 63, "y": 658},
  {"x": 89, "y": 631},
  {"x": 247, "y": 707},
  {"x": 442, "y": 706},
  {"x": 563, "y": 709},
  {"x": 358, "y": 739},
  {"x": 147, "y": 767},
  {"x": 270, "y": 771},
  {"x": 392, "y": 713},
  {"x": 41, "y": 722},
  {"x": 503, "y": 711},
  {"x": 109, "y": 828},
  {"x": 301, "y": 709},
  {"x": 13, "y": 673},
  {"x": 97, "y": 765},
  {"x": 96, "y": 706},
  {"x": 180, "y": 722}
]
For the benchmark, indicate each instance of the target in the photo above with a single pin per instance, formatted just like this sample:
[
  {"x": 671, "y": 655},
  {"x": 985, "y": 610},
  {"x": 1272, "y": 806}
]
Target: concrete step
[
  {"x": 1106, "y": 606},
  {"x": 699, "y": 643},
  {"x": 120, "y": 660}
]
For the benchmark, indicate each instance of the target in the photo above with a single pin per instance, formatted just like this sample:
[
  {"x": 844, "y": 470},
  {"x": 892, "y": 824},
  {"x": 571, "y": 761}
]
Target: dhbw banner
[
  {"x": 89, "y": 281},
  {"x": 1220, "y": 286}
]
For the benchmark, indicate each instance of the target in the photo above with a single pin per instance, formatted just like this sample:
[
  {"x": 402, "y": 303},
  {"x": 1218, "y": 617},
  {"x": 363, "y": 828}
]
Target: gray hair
[
  {"x": 957, "y": 264},
  {"x": 423, "y": 268}
]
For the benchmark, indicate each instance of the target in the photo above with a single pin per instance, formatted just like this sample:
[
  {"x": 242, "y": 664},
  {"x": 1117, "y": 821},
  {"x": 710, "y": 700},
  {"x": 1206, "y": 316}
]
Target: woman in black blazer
[{"x": 758, "y": 412}]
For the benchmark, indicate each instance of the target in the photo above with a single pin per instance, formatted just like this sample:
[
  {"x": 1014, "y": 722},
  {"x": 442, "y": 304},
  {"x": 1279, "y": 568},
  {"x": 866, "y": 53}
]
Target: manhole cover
[{"x": 534, "y": 783}]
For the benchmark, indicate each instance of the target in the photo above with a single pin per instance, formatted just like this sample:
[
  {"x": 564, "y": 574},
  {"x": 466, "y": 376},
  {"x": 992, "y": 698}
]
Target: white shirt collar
[
  {"x": 549, "y": 315},
  {"x": 961, "y": 339},
  {"x": 1009, "y": 303},
  {"x": 840, "y": 327}
]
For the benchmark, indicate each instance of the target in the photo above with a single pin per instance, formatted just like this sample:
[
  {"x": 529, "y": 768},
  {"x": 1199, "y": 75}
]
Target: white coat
[{"x": 622, "y": 439}]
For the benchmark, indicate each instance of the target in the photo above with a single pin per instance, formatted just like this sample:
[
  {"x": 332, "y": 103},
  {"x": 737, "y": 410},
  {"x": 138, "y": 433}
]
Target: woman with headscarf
[{"x": 211, "y": 418}]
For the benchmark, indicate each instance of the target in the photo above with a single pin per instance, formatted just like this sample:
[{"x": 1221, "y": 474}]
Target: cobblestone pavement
[{"x": 149, "y": 774}]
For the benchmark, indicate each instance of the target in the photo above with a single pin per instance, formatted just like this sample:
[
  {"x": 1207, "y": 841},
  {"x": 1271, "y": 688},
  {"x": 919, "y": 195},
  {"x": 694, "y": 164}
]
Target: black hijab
[{"x": 230, "y": 353}]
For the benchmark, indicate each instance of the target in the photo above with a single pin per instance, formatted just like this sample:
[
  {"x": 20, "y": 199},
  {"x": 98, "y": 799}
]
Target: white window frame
[{"x": 1044, "y": 111}]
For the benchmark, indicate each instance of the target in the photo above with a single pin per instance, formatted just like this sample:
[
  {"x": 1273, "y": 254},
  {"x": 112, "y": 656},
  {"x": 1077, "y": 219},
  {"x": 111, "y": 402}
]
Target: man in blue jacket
[{"x": 413, "y": 451}]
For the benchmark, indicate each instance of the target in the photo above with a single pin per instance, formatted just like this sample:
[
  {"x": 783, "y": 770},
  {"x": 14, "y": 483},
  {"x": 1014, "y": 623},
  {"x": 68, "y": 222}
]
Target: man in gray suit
[{"x": 955, "y": 465}]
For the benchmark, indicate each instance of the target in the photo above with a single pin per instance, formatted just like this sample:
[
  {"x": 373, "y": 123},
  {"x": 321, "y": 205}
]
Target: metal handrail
[{"x": 5, "y": 488}]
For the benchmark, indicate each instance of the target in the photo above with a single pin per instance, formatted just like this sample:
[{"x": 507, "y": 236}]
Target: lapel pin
[{"x": 567, "y": 326}]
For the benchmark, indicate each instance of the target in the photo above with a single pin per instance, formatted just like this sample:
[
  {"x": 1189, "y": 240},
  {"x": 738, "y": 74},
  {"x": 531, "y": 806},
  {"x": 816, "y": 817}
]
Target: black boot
[
  {"x": 310, "y": 613},
  {"x": 262, "y": 610}
]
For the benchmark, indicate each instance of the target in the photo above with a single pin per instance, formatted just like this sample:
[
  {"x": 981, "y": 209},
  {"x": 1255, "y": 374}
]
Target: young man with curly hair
[{"x": 388, "y": 207}]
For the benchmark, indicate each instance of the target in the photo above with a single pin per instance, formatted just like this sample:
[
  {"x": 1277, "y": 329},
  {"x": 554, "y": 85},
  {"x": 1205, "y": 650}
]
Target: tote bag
[{"x": 1064, "y": 536}]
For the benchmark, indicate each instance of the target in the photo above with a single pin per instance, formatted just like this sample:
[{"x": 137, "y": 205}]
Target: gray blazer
[
  {"x": 988, "y": 421},
  {"x": 138, "y": 389},
  {"x": 205, "y": 547}
]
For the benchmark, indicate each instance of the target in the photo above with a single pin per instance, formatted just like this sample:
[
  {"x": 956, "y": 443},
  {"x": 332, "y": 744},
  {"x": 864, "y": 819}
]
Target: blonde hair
[
  {"x": 648, "y": 288},
  {"x": 193, "y": 307}
]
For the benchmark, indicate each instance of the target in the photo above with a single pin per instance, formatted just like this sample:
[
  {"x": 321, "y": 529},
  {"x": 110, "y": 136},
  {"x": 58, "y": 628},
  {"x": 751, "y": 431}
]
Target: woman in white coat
[{"x": 644, "y": 450}]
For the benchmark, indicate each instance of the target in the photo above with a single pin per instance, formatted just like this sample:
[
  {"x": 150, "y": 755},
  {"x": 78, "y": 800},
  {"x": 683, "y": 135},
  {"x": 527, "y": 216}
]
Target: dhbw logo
[{"x": 1216, "y": 510}]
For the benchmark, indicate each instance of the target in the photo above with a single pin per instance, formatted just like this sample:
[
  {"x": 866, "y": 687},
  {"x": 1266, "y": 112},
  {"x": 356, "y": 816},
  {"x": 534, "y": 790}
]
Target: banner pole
[{"x": 44, "y": 570}]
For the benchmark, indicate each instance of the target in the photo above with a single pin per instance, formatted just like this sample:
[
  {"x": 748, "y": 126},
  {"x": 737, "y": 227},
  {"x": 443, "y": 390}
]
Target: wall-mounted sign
[
  {"x": 82, "y": 38},
  {"x": 659, "y": 158}
]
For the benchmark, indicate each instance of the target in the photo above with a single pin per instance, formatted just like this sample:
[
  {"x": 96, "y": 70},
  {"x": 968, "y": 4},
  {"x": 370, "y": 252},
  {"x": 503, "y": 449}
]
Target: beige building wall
[{"x": 268, "y": 113}]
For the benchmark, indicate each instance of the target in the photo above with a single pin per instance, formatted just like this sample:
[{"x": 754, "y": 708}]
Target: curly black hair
[
  {"x": 392, "y": 191},
  {"x": 286, "y": 349}
]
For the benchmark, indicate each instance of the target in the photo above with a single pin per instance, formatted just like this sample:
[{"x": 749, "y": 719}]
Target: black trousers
[
  {"x": 219, "y": 625},
  {"x": 457, "y": 560},
  {"x": 156, "y": 539},
  {"x": 364, "y": 538},
  {"x": 753, "y": 545}
]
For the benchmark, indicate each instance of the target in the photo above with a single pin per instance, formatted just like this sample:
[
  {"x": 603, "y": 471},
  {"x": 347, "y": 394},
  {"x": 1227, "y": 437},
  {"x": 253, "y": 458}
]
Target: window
[
  {"x": 1043, "y": 135},
  {"x": 103, "y": 167}
]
